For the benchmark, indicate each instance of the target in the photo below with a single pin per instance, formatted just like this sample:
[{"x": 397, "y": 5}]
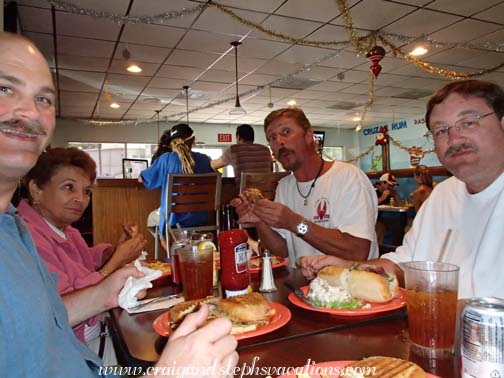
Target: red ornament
[
  {"x": 382, "y": 136},
  {"x": 374, "y": 56}
]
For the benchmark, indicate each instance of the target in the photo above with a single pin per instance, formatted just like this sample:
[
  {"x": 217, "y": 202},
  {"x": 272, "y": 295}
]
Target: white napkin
[{"x": 127, "y": 296}]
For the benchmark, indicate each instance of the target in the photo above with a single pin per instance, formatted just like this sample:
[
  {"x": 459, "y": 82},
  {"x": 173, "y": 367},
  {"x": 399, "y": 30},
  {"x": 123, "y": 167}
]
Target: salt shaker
[{"x": 267, "y": 281}]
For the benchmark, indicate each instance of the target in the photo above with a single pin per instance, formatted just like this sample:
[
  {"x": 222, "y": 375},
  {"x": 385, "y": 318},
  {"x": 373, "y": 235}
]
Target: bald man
[{"x": 36, "y": 338}]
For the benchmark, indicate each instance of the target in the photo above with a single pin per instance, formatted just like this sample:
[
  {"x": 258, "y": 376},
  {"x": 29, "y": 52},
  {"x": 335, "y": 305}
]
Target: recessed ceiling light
[
  {"x": 292, "y": 103},
  {"x": 134, "y": 68},
  {"x": 420, "y": 50},
  {"x": 356, "y": 119},
  {"x": 115, "y": 105}
]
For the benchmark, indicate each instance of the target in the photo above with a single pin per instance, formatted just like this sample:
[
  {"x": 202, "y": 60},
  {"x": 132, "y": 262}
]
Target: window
[{"x": 334, "y": 153}]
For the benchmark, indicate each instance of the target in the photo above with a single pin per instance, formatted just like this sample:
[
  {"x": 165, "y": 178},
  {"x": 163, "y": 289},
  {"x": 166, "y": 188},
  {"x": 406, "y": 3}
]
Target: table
[
  {"x": 403, "y": 220},
  {"x": 309, "y": 335}
]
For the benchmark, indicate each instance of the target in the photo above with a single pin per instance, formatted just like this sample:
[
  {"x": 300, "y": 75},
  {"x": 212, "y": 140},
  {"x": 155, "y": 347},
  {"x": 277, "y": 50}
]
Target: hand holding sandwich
[
  {"x": 310, "y": 265},
  {"x": 202, "y": 349}
]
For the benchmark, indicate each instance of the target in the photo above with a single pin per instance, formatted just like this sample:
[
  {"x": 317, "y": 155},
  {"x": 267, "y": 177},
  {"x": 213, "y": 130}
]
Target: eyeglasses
[{"x": 463, "y": 126}]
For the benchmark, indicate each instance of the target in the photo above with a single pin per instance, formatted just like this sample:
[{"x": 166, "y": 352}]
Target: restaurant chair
[
  {"x": 265, "y": 182},
  {"x": 193, "y": 192}
]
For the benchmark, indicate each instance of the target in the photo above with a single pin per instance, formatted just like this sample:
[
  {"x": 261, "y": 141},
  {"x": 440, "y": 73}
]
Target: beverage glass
[
  {"x": 196, "y": 268},
  {"x": 431, "y": 297}
]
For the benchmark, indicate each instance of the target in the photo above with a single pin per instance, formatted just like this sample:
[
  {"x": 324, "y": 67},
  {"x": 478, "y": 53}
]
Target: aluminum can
[
  {"x": 482, "y": 339},
  {"x": 175, "y": 263}
]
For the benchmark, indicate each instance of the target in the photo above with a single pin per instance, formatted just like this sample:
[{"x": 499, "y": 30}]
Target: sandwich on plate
[
  {"x": 351, "y": 288},
  {"x": 247, "y": 312},
  {"x": 383, "y": 367}
]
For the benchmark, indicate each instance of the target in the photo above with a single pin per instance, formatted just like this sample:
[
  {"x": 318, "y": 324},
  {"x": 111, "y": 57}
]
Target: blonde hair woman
[
  {"x": 179, "y": 160},
  {"x": 425, "y": 184}
]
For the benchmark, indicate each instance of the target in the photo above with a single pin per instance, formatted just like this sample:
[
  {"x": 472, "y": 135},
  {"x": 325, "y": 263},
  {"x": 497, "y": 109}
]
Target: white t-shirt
[
  {"x": 477, "y": 221},
  {"x": 342, "y": 198}
]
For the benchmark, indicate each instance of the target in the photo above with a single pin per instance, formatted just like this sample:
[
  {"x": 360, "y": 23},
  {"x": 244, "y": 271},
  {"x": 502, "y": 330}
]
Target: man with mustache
[
  {"x": 466, "y": 122},
  {"x": 324, "y": 207},
  {"x": 36, "y": 338}
]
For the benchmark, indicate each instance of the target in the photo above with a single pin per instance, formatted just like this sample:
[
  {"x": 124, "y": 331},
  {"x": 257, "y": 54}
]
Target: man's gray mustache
[
  {"x": 461, "y": 147},
  {"x": 26, "y": 127},
  {"x": 283, "y": 150}
]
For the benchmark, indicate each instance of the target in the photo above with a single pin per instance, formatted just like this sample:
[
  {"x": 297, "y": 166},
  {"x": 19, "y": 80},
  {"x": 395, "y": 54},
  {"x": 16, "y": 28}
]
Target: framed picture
[
  {"x": 133, "y": 167},
  {"x": 320, "y": 135}
]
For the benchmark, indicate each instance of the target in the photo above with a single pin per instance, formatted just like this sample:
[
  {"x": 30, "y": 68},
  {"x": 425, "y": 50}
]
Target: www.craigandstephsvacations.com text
[{"x": 243, "y": 370}]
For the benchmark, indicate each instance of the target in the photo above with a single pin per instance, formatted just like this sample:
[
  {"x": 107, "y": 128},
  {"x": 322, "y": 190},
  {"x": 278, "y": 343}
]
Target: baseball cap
[
  {"x": 389, "y": 178},
  {"x": 182, "y": 130}
]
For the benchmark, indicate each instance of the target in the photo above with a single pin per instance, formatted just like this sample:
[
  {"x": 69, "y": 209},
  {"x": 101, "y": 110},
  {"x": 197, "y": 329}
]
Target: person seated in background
[
  {"x": 163, "y": 146},
  {"x": 385, "y": 188},
  {"x": 59, "y": 189},
  {"x": 35, "y": 320},
  {"x": 179, "y": 160},
  {"x": 425, "y": 184},
  {"x": 245, "y": 155},
  {"x": 324, "y": 207},
  {"x": 466, "y": 122}
]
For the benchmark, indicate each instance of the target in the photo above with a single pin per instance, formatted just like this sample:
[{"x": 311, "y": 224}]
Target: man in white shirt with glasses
[{"x": 466, "y": 123}]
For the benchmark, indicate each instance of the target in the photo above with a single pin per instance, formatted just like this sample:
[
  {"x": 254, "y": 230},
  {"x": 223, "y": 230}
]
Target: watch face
[{"x": 302, "y": 228}]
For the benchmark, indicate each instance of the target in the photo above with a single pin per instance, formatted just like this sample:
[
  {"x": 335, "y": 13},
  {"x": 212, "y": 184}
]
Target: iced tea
[
  {"x": 432, "y": 318},
  {"x": 196, "y": 268}
]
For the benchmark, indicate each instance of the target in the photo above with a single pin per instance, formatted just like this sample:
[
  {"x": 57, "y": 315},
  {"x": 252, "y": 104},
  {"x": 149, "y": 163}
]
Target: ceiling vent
[
  {"x": 193, "y": 95},
  {"x": 414, "y": 94},
  {"x": 344, "y": 105},
  {"x": 297, "y": 83}
]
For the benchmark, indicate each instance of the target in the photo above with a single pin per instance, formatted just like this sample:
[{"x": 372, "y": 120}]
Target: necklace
[{"x": 305, "y": 197}]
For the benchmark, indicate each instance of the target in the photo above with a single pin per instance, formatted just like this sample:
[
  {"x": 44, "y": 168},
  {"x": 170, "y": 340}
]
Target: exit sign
[{"x": 226, "y": 138}]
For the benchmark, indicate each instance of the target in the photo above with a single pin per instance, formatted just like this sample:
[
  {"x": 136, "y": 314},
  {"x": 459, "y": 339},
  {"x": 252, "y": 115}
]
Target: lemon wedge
[{"x": 205, "y": 244}]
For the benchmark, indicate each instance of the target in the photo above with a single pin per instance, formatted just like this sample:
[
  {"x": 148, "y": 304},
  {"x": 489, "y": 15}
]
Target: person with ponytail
[{"x": 179, "y": 159}]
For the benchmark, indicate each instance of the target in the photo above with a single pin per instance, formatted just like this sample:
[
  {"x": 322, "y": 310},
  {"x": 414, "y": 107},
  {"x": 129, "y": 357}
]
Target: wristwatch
[{"x": 302, "y": 228}]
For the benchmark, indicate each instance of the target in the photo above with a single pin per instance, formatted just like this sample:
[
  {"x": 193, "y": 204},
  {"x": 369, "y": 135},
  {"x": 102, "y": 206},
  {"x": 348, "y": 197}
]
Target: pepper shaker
[{"x": 267, "y": 281}]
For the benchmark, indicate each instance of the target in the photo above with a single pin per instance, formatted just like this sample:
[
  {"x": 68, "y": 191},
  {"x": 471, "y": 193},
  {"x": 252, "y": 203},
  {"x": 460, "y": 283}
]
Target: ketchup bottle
[{"x": 234, "y": 265}]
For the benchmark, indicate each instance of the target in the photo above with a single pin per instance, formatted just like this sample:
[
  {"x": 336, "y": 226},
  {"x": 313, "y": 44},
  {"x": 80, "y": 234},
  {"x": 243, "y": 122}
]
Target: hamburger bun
[
  {"x": 365, "y": 282},
  {"x": 251, "y": 195},
  {"x": 383, "y": 367}
]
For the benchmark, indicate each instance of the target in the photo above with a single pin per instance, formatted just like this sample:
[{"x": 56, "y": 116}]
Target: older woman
[{"x": 59, "y": 192}]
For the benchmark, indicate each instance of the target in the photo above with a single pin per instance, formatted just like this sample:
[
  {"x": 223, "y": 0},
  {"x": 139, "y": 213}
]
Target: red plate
[
  {"x": 276, "y": 263},
  {"x": 398, "y": 302},
  {"x": 331, "y": 369},
  {"x": 282, "y": 316}
]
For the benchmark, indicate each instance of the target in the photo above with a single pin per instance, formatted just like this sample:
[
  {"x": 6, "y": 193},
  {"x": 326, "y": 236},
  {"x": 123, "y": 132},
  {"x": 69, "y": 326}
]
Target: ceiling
[{"x": 88, "y": 58}]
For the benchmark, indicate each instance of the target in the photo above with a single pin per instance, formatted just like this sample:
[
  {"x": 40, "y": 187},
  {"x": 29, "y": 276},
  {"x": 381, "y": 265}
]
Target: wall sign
[{"x": 226, "y": 138}]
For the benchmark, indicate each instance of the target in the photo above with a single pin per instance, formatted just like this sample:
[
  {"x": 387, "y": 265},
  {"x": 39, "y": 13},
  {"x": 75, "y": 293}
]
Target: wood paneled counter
[{"x": 117, "y": 201}]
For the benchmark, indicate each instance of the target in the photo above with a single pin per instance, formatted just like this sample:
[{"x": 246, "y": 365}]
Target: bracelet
[{"x": 104, "y": 272}]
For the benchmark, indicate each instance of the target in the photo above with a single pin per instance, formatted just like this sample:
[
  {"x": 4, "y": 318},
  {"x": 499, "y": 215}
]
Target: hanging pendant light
[
  {"x": 237, "y": 110},
  {"x": 270, "y": 104},
  {"x": 186, "y": 90}
]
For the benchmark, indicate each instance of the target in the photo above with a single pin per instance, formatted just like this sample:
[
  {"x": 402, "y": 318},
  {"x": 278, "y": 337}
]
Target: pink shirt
[{"x": 74, "y": 263}]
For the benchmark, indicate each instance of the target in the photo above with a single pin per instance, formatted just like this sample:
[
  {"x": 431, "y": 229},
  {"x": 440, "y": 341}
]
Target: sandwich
[
  {"x": 383, "y": 367},
  {"x": 364, "y": 282},
  {"x": 251, "y": 195},
  {"x": 247, "y": 312}
]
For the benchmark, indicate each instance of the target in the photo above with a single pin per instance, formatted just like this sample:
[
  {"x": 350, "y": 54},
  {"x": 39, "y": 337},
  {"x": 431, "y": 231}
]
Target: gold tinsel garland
[
  {"x": 368, "y": 151},
  {"x": 369, "y": 102},
  {"x": 405, "y": 148}
]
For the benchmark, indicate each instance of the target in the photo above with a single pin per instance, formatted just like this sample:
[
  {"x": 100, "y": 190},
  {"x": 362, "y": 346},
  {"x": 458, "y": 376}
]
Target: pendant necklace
[{"x": 305, "y": 197}]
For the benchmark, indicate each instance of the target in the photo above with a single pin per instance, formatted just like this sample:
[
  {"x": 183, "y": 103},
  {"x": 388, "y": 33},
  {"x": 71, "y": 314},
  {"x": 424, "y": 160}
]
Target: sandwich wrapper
[{"x": 127, "y": 297}]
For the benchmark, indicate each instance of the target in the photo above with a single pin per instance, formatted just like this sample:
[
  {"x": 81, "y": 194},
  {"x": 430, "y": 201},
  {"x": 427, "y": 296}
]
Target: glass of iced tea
[
  {"x": 431, "y": 297},
  {"x": 196, "y": 268}
]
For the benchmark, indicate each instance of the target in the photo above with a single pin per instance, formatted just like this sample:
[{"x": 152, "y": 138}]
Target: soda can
[
  {"x": 175, "y": 264},
  {"x": 482, "y": 339}
]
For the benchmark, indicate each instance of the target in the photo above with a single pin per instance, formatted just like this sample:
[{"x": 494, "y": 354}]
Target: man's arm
[
  {"x": 85, "y": 303},
  {"x": 330, "y": 241},
  {"x": 217, "y": 163}
]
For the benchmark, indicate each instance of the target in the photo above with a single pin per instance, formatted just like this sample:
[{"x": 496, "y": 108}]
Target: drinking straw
[{"x": 446, "y": 244}]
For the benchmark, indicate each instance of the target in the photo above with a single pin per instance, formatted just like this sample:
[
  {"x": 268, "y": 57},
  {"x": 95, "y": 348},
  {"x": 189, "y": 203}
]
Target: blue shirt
[
  {"x": 155, "y": 177},
  {"x": 35, "y": 337}
]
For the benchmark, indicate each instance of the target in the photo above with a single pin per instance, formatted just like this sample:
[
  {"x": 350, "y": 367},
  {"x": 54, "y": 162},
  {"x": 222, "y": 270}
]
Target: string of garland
[
  {"x": 369, "y": 102},
  {"x": 118, "y": 19},
  {"x": 368, "y": 151},
  {"x": 406, "y": 148},
  {"x": 433, "y": 69}
]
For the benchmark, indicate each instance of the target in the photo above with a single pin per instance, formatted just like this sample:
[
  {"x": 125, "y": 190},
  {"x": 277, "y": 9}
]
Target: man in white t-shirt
[
  {"x": 324, "y": 207},
  {"x": 466, "y": 122}
]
